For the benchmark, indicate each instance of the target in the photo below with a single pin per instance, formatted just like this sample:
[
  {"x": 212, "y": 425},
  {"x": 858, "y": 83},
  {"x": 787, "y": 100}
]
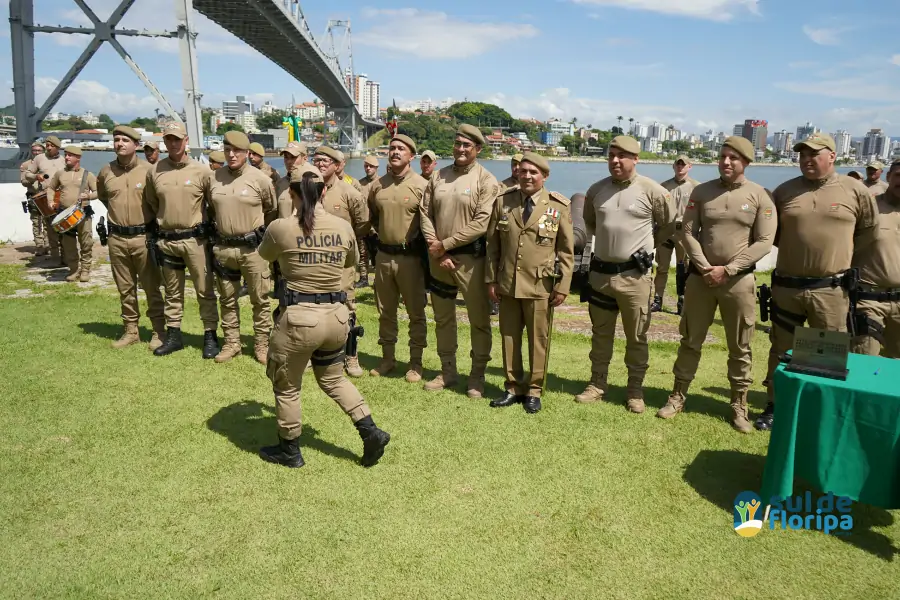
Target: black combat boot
[
  {"x": 173, "y": 342},
  {"x": 680, "y": 305},
  {"x": 286, "y": 453},
  {"x": 531, "y": 404},
  {"x": 210, "y": 344},
  {"x": 362, "y": 283},
  {"x": 495, "y": 308},
  {"x": 764, "y": 421},
  {"x": 374, "y": 441},
  {"x": 656, "y": 306}
]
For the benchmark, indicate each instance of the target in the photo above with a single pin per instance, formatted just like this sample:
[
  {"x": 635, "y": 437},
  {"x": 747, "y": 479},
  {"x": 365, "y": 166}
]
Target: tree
[
  {"x": 271, "y": 120},
  {"x": 106, "y": 122},
  {"x": 617, "y": 130},
  {"x": 228, "y": 126},
  {"x": 479, "y": 113},
  {"x": 619, "y": 119},
  {"x": 630, "y": 125},
  {"x": 148, "y": 123},
  {"x": 573, "y": 144}
]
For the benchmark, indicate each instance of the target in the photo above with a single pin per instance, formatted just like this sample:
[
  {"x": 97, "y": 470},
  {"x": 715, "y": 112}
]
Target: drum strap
[{"x": 84, "y": 180}]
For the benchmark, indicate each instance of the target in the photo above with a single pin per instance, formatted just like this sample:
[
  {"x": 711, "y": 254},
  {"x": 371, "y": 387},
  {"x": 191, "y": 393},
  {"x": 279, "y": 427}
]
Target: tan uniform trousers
[
  {"x": 38, "y": 228},
  {"x": 350, "y": 288},
  {"x": 400, "y": 277},
  {"x": 886, "y": 314},
  {"x": 736, "y": 301},
  {"x": 78, "y": 249},
  {"x": 316, "y": 333},
  {"x": 193, "y": 252},
  {"x": 53, "y": 239},
  {"x": 363, "y": 258},
  {"x": 631, "y": 290},
  {"x": 663, "y": 264},
  {"x": 533, "y": 316},
  {"x": 256, "y": 273},
  {"x": 130, "y": 263},
  {"x": 468, "y": 278},
  {"x": 825, "y": 308}
]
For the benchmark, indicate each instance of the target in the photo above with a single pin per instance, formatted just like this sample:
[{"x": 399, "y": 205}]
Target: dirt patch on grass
[{"x": 44, "y": 270}]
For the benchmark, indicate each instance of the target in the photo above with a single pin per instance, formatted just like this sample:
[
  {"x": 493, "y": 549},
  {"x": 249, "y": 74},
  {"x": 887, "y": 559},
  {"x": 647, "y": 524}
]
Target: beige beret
[
  {"x": 816, "y": 141},
  {"x": 471, "y": 132},
  {"x": 406, "y": 140},
  {"x": 298, "y": 173},
  {"x": 127, "y": 132},
  {"x": 330, "y": 152},
  {"x": 238, "y": 139},
  {"x": 626, "y": 143},
  {"x": 430, "y": 154},
  {"x": 37, "y": 145},
  {"x": 516, "y": 158},
  {"x": 537, "y": 160},
  {"x": 295, "y": 148},
  {"x": 742, "y": 146},
  {"x": 372, "y": 161},
  {"x": 52, "y": 139},
  {"x": 217, "y": 156},
  {"x": 73, "y": 150},
  {"x": 257, "y": 148}
]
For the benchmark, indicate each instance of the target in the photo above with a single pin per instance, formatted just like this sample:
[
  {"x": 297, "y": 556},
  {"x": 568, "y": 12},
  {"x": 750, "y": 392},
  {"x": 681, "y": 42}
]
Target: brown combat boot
[
  {"x": 414, "y": 372},
  {"x": 388, "y": 362},
  {"x": 261, "y": 349},
  {"x": 594, "y": 392},
  {"x": 740, "y": 420},
  {"x": 635, "y": 395},
  {"x": 675, "y": 403},
  {"x": 231, "y": 347},
  {"x": 351, "y": 364},
  {"x": 84, "y": 275},
  {"x": 159, "y": 334},
  {"x": 129, "y": 337},
  {"x": 475, "y": 385},
  {"x": 447, "y": 378},
  {"x": 73, "y": 275}
]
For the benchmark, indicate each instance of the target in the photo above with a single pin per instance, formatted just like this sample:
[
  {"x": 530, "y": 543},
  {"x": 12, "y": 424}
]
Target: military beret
[
  {"x": 684, "y": 158},
  {"x": 127, "y": 132},
  {"x": 626, "y": 143},
  {"x": 430, "y": 154},
  {"x": 742, "y": 146},
  {"x": 175, "y": 128},
  {"x": 237, "y": 139},
  {"x": 52, "y": 139},
  {"x": 298, "y": 173},
  {"x": 372, "y": 161},
  {"x": 330, "y": 152},
  {"x": 816, "y": 141},
  {"x": 73, "y": 150},
  {"x": 341, "y": 157},
  {"x": 537, "y": 160},
  {"x": 517, "y": 158},
  {"x": 875, "y": 164},
  {"x": 257, "y": 148},
  {"x": 217, "y": 156},
  {"x": 37, "y": 145},
  {"x": 406, "y": 140},
  {"x": 154, "y": 145},
  {"x": 295, "y": 148},
  {"x": 471, "y": 132}
]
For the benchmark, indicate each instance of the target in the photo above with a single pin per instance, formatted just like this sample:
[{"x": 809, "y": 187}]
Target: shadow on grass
[
  {"x": 720, "y": 475},
  {"x": 755, "y": 398},
  {"x": 110, "y": 331},
  {"x": 250, "y": 424}
]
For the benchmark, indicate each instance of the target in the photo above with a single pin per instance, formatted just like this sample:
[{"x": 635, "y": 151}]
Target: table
[{"x": 842, "y": 437}]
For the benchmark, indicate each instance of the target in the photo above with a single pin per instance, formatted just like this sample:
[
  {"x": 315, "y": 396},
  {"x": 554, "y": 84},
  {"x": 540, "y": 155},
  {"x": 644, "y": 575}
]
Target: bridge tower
[{"x": 340, "y": 52}]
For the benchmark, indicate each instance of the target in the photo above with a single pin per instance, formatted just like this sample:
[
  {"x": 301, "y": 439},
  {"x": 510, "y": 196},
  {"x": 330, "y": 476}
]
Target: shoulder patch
[{"x": 560, "y": 198}]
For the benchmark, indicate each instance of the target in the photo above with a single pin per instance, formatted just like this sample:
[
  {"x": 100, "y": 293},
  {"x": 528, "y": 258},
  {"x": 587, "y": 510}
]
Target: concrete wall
[{"x": 15, "y": 225}]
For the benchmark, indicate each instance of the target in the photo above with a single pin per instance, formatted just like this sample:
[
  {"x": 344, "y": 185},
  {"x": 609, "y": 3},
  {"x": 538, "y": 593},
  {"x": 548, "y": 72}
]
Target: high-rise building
[
  {"x": 789, "y": 143},
  {"x": 232, "y": 109},
  {"x": 856, "y": 149},
  {"x": 738, "y": 130},
  {"x": 656, "y": 130},
  {"x": 368, "y": 96},
  {"x": 756, "y": 131},
  {"x": 804, "y": 131},
  {"x": 842, "y": 141},
  {"x": 779, "y": 141},
  {"x": 875, "y": 145},
  {"x": 268, "y": 108}
]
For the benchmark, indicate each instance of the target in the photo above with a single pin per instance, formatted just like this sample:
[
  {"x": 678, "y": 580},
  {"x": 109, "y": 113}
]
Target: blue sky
[{"x": 698, "y": 64}]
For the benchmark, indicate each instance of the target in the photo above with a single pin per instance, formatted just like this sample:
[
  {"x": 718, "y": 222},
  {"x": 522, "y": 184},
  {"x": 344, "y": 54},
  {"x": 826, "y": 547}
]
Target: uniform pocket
[
  {"x": 297, "y": 318},
  {"x": 746, "y": 326}
]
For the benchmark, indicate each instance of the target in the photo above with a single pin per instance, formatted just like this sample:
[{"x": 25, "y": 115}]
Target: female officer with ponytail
[{"x": 312, "y": 251}]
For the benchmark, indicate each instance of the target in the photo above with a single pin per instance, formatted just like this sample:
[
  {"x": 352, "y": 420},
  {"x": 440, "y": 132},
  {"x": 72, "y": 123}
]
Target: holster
[
  {"x": 764, "y": 294},
  {"x": 101, "y": 231},
  {"x": 681, "y": 275},
  {"x": 224, "y": 272},
  {"x": 371, "y": 242},
  {"x": 356, "y": 332},
  {"x": 862, "y": 325},
  {"x": 25, "y": 206}
]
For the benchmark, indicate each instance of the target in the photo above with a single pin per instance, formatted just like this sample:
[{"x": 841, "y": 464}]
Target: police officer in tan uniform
[
  {"x": 151, "y": 152},
  {"x": 242, "y": 202},
  {"x": 78, "y": 243},
  {"x": 513, "y": 179},
  {"x": 855, "y": 175},
  {"x": 370, "y": 166},
  {"x": 823, "y": 218},
  {"x": 629, "y": 215},
  {"x": 427, "y": 164},
  {"x": 680, "y": 187},
  {"x": 216, "y": 160},
  {"x": 177, "y": 197},
  {"x": 873, "y": 178},
  {"x": 314, "y": 250},
  {"x": 37, "y": 219},
  {"x": 120, "y": 187},
  {"x": 257, "y": 159},
  {"x": 344, "y": 201},
  {"x": 347, "y": 178},
  {"x": 529, "y": 234},
  {"x": 729, "y": 225},
  {"x": 877, "y": 314},
  {"x": 39, "y": 173},
  {"x": 455, "y": 212},
  {"x": 294, "y": 155},
  {"x": 394, "y": 201}
]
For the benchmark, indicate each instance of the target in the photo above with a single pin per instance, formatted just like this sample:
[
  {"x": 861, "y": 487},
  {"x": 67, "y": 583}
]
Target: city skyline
[{"x": 818, "y": 74}]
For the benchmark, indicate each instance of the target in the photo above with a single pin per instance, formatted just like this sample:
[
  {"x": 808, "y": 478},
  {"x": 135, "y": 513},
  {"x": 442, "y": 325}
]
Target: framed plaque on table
[{"x": 819, "y": 352}]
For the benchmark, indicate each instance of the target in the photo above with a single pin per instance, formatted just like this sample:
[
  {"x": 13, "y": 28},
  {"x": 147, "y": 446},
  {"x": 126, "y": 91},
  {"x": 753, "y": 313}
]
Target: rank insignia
[
  {"x": 834, "y": 207},
  {"x": 767, "y": 213}
]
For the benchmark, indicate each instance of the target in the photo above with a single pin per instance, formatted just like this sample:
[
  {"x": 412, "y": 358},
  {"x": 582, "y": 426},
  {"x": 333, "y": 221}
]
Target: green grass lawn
[{"x": 130, "y": 476}]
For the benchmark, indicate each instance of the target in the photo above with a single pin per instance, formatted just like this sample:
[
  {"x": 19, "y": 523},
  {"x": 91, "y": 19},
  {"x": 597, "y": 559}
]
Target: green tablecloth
[{"x": 842, "y": 437}]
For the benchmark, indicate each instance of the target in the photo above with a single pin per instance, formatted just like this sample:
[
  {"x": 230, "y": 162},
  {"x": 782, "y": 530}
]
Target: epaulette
[
  {"x": 560, "y": 198},
  {"x": 514, "y": 188}
]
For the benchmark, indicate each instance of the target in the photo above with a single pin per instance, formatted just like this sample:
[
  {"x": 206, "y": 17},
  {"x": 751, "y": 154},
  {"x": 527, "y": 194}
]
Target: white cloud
[
  {"x": 713, "y": 10},
  {"x": 85, "y": 95},
  {"x": 825, "y": 36},
  {"x": 412, "y": 31},
  {"x": 895, "y": 60},
  {"x": 849, "y": 88}
]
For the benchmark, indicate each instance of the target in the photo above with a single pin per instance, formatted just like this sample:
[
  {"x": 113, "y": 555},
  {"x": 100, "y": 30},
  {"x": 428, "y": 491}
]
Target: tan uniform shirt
[
  {"x": 730, "y": 225},
  {"x": 521, "y": 256},
  {"x": 508, "y": 183},
  {"x": 365, "y": 185},
  {"x": 681, "y": 192},
  {"x": 624, "y": 216},
  {"x": 32, "y": 186},
  {"x": 268, "y": 171},
  {"x": 394, "y": 203},
  {"x": 240, "y": 201},
  {"x": 877, "y": 188},
  {"x": 314, "y": 263},
  {"x": 356, "y": 185},
  {"x": 457, "y": 205},
  {"x": 879, "y": 263},
  {"x": 820, "y": 223},
  {"x": 44, "y": 165},
  {"x": 283, "y": 193},
  {"x": 177, "y": 193},
  {"x": 342, "y": 200},
  {"x": 68, "y": 182},
  {"x": 121, "y": 190}
]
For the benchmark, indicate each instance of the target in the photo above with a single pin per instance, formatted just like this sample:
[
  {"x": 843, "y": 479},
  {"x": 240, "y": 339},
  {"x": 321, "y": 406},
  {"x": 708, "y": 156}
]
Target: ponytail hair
[{"x": 309, "y": 190}]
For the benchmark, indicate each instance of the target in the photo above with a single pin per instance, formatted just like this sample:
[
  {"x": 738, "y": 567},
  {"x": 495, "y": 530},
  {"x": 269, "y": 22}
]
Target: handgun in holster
[
  {"x": 25, "y": 206},
  {"x": 356, "y": 332},
  {"x": 856, "y": 323},
  {"x": 584, "y": 292},
  {"x": 101, "y": 231},
  {"x": 152, "y": 248},
  {"x": 278, "y": 290},
  {"x": 643, "y": 260},
  {"x": 371, "y": 242},
  {"x": 764, "y": 294}
]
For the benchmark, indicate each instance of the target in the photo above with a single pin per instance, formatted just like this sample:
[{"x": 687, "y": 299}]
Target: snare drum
[
  {"x": 44, "y": 205},
  {"x": 68, "y": 219}
]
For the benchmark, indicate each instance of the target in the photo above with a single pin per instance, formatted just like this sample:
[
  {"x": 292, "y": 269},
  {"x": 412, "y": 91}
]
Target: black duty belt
[
  {"x": 248, "y": 240},
  {"x": 123, "y": 230},
  {"x": 174, "y": 235},
  {"x": 478, "y": 248},
  {"x": 611, "y": 268},
  {"x": 291, "y": 298},
  {"x": 808, "y": 283},
  {"x": 692, "y": 269},
  {"x": 411, "y": 249},
  {"x": 889, "y": 295}
]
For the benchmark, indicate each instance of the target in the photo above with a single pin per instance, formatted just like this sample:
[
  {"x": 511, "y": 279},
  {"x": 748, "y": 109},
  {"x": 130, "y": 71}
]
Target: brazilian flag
[{"x": 293, "y": 125}]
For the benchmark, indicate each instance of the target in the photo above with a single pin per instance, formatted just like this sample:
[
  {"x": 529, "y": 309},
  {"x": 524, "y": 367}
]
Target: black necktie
[{"x": 529, "y": 207}]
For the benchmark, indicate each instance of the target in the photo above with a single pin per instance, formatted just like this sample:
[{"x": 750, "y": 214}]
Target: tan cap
[
  {"x": 127, "y": 132},
  {"x": 330, "y": 152},
  {"x": 406, "y": 140},
  {"x": 175, "y": 128},
  {"x": 684, "y": 158},
  {"x": 430, "y": 154},
  {"x": 52, "y": 139},
  {"x": 341, "y": 155},
  {"x": 626, "y": 143},
  {"x": 471, "y": 132},
  {"x": 37, "y": 145},
  {"x": 217, "y": 156},
  {"x": 816, "y": 141},
  {"x": 537, "y": 160},
  {"x": 73, "y": 150},
  {"x": 237, "y": 139},
  {"x": 742, "y": 146},
  {"x": 517, "y": 157},
  {"x": 154, "y": 145},
  {"x": 875, "y": 164},
  {"x": 256, "y": 148},
  {"x": 372, "y": 161},
  {"x": 298, "y": 173},
  {"x": 855, "y": 174},
  {"x": 295, "y": 149}
]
